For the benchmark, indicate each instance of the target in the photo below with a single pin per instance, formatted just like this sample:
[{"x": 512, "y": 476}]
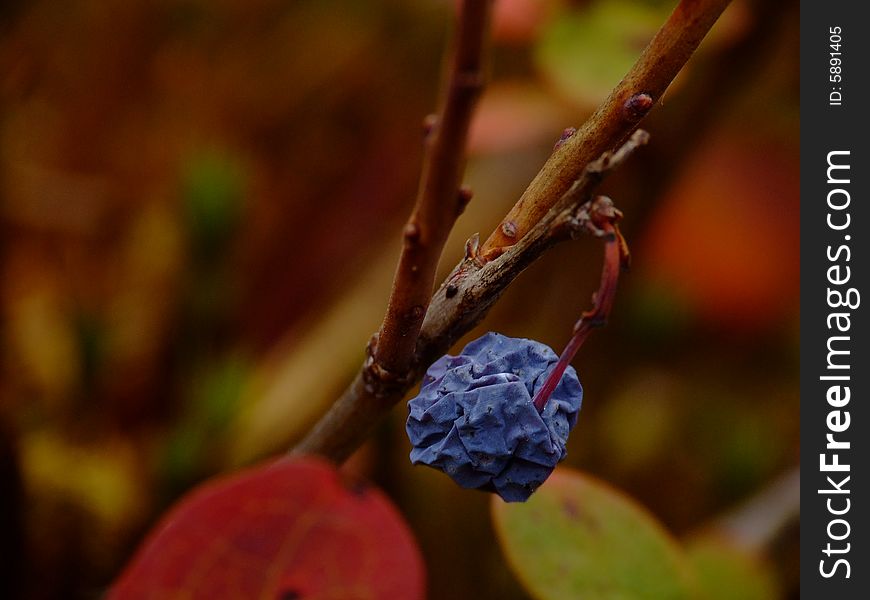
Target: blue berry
[{"x": 474, "y": 418}]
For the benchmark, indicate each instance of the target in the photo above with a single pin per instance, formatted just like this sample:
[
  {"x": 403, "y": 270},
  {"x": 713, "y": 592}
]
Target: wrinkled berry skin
[{"x": 474, "y": 418}]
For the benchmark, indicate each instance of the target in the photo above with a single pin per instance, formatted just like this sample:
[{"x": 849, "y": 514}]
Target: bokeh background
[{"x": 200, "y": 207}]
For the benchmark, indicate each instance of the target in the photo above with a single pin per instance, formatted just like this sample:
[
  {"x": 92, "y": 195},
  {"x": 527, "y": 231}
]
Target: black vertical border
[{"x": 826, "y": 128}]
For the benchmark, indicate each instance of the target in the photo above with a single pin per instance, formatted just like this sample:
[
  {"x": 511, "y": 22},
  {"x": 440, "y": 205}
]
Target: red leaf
[
  {"x": 727, "y": 237},
  {"x": 288, "y": 529}
]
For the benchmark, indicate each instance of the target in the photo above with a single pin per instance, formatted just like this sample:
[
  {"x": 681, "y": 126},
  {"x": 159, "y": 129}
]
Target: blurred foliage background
[{"x": 200, "y": 205}]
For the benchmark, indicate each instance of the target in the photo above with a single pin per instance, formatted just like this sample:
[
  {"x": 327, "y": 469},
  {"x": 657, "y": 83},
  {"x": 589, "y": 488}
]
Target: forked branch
[
  {"x": 461, "y": 302},
  {"x": 542, "y": 217}
]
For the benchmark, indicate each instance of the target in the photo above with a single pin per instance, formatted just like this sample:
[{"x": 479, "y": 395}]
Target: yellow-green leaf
[
  {"x": 585, "y": 52},
  {"x": 577, "y": 537},
  {"x": 724, "y": 571}
]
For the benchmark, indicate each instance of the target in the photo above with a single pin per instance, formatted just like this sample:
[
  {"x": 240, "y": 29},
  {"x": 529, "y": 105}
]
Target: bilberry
[
  {"x": 497, "y": 416},
  {"x": 475, "y": 418}
]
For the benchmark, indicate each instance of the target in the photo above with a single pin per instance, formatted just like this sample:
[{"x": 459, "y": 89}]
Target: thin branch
[
  {"x": 754, "y": 525},
  {"x": 439, "y": 200},
  {"x": 620, "y": 114},
  {"x": 387, "y": 371},
  {"x": 460, "y": 303},
  {"x": 601, "y": 219}
]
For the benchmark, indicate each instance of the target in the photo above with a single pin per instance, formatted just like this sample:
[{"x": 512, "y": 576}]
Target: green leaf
[
  {"x": 724, "y": 571},
  {"x": 211, "y": 402},
  {"x": 577, "y": 537},
  {"x": 213, "y": 189},
  {"x": 585, "y": 52}
]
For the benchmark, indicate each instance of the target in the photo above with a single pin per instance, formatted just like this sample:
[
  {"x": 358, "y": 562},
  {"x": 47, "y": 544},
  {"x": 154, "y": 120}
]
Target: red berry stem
[{"x": 602, "y": 219}]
